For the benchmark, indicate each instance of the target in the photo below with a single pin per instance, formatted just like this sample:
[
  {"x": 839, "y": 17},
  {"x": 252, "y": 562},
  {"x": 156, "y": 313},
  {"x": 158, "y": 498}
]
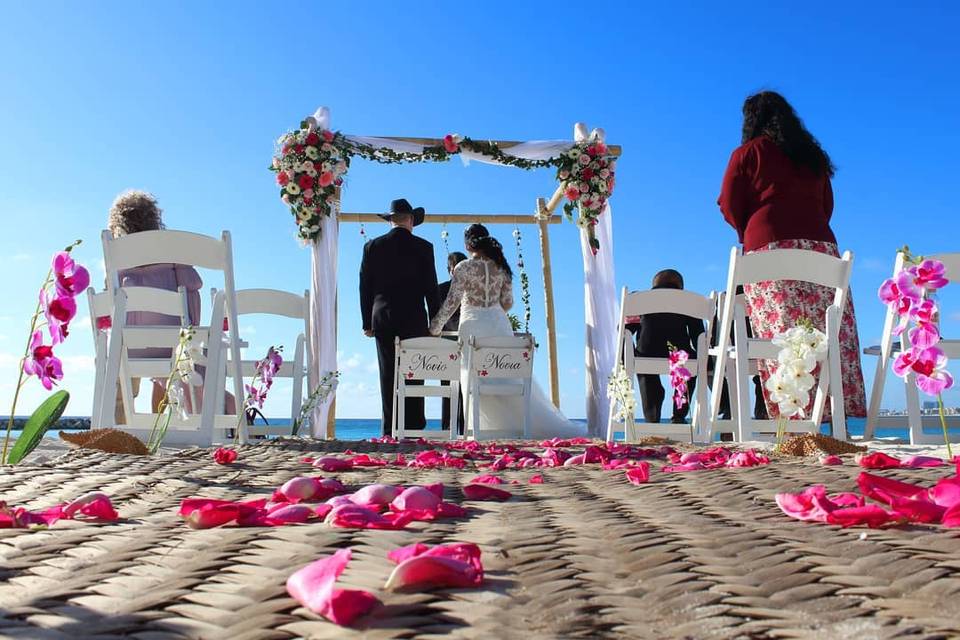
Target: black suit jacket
[
  {"x": 655, "y": 330},
  {"x": 443, "y": 290},
  {"x": 397, "y": 276}
]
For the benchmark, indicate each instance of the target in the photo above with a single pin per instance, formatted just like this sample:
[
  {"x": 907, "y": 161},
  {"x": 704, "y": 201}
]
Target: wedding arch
[{"x": 311, "y": 161}]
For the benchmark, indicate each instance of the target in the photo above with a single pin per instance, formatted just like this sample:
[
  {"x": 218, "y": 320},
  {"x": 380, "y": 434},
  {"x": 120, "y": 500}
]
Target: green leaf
[{"x": 38, "y": 423}]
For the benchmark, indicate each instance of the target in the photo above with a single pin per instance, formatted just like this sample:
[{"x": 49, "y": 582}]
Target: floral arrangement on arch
[
  {"x": 586, "y": 175},
  {"x": 910, "y": 295},
  {"x": 310, "y": 164}
]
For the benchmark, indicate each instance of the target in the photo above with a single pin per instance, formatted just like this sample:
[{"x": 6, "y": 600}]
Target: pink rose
[
  {"x": 326, "y": 178},
  {"x": 572, "y": 193},
  {"x": 450, "y": 144}
]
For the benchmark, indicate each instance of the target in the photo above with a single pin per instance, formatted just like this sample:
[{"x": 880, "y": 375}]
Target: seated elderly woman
[{"x": 134, "y": 212}]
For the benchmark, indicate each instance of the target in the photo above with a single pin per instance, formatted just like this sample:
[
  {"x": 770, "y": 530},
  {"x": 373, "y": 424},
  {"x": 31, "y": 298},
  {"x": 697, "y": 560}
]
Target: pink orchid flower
[
  {"x": 924, "y": 335},
  {"x": 485, "y": 492},
  {"x": 891, "y": 296},
  {"x": 908, "y": 286},
  {"x": 58, "y": 311},
  {"x": 639, "y": 474},
  {"x": 678, "y": 357},
  {"x": 446, "y": 565},
  {"x": 313, "y": 586},
  {"x": 71, "y": 278},
  {"x": 930, "y": 274},
  {"x": 42, "y": 363},
  {"x": 929, "y": 365}
]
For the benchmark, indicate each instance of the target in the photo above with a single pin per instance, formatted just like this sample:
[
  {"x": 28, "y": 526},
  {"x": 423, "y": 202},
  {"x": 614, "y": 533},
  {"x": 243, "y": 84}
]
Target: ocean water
[{"x": 364, "y": 428}]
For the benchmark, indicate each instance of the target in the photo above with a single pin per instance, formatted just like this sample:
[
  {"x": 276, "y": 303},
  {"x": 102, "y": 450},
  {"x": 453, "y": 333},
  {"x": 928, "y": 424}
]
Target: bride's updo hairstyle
[{"x": 478, "y": 239}]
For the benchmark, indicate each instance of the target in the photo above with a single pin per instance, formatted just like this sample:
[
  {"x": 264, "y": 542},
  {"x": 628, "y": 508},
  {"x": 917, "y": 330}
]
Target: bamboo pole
[
  {"x": 457, "y": 218},
  {"x": 542, "y": 218},
  {"x": 555, "y": 200},
  {"x": 612, "y": 149}
]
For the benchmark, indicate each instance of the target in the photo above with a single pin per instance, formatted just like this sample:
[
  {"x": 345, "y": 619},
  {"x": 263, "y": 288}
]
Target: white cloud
[{"x": 20, "y": 257}]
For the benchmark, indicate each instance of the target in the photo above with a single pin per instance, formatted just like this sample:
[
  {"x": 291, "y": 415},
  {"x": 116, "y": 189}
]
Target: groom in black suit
[{"x": 397, "y": 276}]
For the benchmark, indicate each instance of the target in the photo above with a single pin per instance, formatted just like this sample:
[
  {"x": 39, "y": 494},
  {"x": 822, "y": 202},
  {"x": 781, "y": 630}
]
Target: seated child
[{"x": 652, "y": 333}]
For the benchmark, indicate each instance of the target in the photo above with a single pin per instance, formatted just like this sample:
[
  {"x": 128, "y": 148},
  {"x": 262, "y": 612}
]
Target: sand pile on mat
[
  {"x": 109, "y": 440},
  {"x": 814, "y": 444}
]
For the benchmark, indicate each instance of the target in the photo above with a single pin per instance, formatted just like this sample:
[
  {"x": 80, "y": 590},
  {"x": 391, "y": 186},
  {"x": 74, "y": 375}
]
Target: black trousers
[
  {"x": 413, "y": 411},
  {"x": 445, "y": 412},
  {"x": 652, "y": 395}
]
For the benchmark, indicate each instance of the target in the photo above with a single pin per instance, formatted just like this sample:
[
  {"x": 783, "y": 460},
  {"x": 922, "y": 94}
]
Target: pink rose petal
[
  {"x": 376, "y": 494},
  {"x": 95, "y": 505},
  {"x": 639, "y": 474},
  {"x": 314, "y": 587},
  {"x": 830, "y": 460},
  {"x": 877, "y": 460},
  {"x": 332, "y": 465},
  {"x": 425, "y": 571},
  {"x": 536, "y": 479},
  {"x": 416, "y": 499},
  {"x": 485, "y": 492},
  {"x": 487, "y": 479},
  {"x": 918, "y": 462}
]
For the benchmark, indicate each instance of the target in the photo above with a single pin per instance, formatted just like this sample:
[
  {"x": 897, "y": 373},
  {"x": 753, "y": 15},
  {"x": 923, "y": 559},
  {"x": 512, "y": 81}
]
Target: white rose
[
  {"x": 311, "y": 152},
  {"x": 584, "y": 160},
  {"x": 327, "y": 148},
  {"x": 604, "y": 174},
  {"x": 584, "y": 187},
  {"x": 308, "y": 169},
  {"x": 341, "y": 168},
  {"x": 325, "y": 167}
]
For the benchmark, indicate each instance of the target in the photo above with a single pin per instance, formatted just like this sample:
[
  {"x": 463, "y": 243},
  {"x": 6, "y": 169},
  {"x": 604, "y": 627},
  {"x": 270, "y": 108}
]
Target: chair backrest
[
  {"x": 679, "y": 301},
  {"x": 153, "y": 247},
  {"x": 429, "y": 359},
  {"x": 502, "y": 357},
  {"x": 790, "y": 264}
]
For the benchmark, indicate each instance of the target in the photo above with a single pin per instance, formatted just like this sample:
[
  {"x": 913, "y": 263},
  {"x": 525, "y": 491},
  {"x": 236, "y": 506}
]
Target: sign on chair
[
  {"x": 440, "y": 362},
  {"x": 503, "y": 362}
]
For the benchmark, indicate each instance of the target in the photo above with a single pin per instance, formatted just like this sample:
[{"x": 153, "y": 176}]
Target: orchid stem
[
  {"x": 26, "y": 354},
  {"x": 943, "y": 425}
]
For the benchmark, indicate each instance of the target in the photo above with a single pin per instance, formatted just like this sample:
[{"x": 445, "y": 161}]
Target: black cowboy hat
[{"x": 402, "y": 206}]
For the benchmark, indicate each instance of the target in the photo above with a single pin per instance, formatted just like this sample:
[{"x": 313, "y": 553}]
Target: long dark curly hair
[
  {"x": 478, "y": 239},
  {"x": 769, "y": 114}
]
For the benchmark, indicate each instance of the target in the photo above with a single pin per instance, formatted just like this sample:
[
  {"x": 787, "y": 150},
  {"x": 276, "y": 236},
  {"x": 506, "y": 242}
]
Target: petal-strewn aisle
[{"x": 587, "y": 553}]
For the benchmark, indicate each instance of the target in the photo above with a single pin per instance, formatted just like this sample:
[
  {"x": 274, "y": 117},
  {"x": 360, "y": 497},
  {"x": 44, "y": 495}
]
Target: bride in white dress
[{"x": 482, "y": 287}]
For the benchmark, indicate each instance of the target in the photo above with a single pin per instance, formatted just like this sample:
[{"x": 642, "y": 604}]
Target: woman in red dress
[{"x": 777, "y": 195}]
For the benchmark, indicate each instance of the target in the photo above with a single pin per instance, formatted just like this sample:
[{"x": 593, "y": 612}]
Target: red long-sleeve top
[{"x": 766, "y": 197}]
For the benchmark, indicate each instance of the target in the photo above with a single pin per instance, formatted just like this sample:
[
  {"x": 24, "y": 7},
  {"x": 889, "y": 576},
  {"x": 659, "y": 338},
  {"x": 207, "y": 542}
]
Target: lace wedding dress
[{"x": 484, "y": 294}]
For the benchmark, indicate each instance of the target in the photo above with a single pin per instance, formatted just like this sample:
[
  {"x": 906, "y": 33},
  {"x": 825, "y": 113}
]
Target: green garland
[
  {"x": 440, "y": 153},
  {"x": 524, "y": 282}
]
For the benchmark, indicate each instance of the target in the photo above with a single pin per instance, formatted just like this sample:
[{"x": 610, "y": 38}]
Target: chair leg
[{"x": 838, "y": 420}]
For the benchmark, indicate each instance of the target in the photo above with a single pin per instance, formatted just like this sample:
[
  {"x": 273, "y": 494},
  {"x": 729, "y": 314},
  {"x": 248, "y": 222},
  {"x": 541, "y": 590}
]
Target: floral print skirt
[{"x": 775, "y": 306}]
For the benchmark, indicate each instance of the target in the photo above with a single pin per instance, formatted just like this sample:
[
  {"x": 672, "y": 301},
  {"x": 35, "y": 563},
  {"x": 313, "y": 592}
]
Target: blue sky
[{"x": 186, "y": 99}]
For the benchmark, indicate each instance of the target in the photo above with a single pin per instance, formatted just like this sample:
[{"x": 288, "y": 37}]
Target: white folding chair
[
  {"x": 779, "y": 264},
  {"x": 681, "y": 302},
  {"x": 888, "y": 348},
  {"x": 295, "y": 365},
  {"x": 182, "y": 247},
  {"x": 100, "y": 306},
  {"x": 502, "y": 368},
  {"x": 425, "y": 360}
]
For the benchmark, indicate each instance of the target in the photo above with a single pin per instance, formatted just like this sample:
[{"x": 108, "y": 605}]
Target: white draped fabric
[
  {"x": 323, "y": 317},
  {"x": 532, "y": 150},
  {"x": 600, "y": 309}
]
